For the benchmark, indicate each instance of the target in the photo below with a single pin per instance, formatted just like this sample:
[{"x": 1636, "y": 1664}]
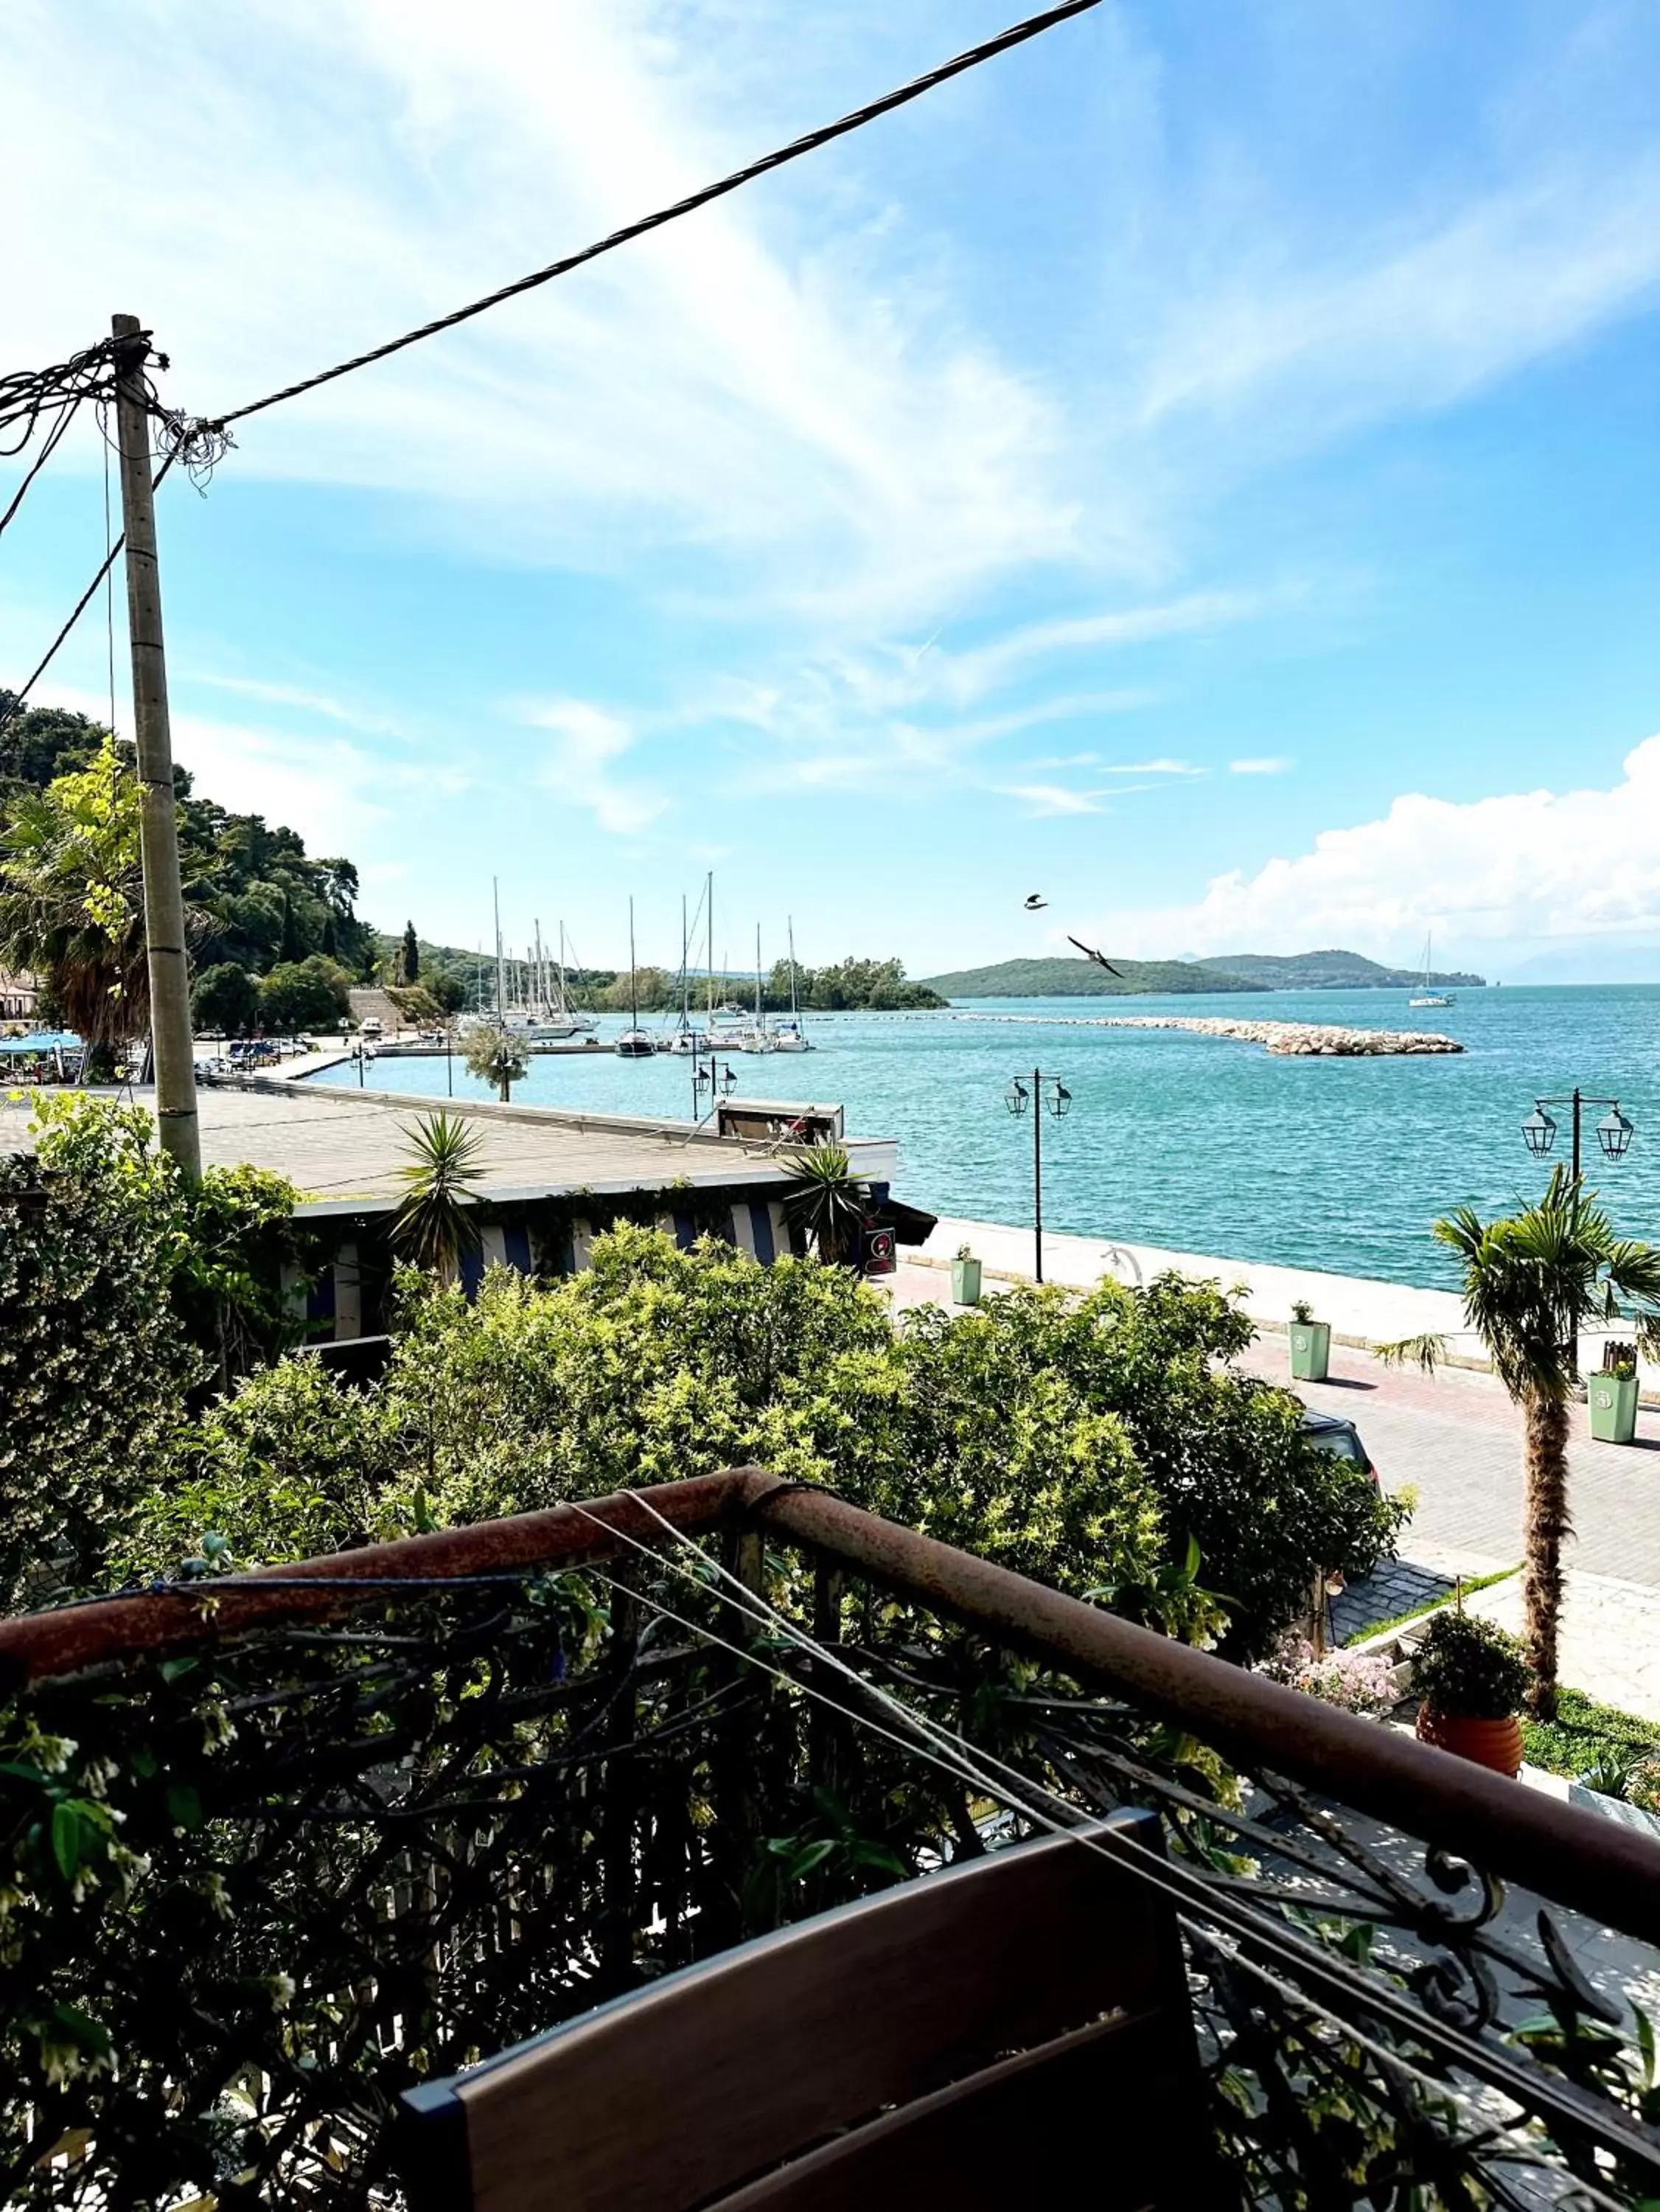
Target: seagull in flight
[
  {"x": 1036, "y": 903},
  {"x": 1100, "y": 958}
]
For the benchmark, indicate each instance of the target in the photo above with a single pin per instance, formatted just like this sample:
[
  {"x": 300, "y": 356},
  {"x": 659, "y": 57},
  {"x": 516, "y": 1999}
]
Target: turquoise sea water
[{"x": 1195, "y": 1142}]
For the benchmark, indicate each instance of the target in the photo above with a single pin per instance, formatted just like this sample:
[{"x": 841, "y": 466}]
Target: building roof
[{"x": 343, "y": 1148}]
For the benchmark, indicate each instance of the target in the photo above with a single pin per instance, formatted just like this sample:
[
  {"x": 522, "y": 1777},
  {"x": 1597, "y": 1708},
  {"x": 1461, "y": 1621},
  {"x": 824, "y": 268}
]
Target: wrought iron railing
[{"x": 278, "y": 1846}]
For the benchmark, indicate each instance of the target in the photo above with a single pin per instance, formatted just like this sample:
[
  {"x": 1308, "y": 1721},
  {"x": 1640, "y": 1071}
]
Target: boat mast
[
  {"x": 710, "y": 896},
  {"x": 634, "y": 1008},
  {"x": 685, "y": 973},
  {"x": 759, "y": 1023},
  {"x": 795, "y": 1010},
  {"x": 561, "y": 971},
  {"x": 502, "y": 1011}
]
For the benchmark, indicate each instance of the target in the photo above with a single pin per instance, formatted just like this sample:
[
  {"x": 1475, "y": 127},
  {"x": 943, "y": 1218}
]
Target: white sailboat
[
  {"x": 1427, "y": 994},
  {"x": 686, "y": 1040},
  {"x": 634, "y": 1043},
  {"x": 756, "y": 1036},
  {"x": 789, "y": 1033}
]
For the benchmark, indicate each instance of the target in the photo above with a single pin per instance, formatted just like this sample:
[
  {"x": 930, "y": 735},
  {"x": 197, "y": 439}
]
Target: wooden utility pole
[{"x": 173, "y": 1051}]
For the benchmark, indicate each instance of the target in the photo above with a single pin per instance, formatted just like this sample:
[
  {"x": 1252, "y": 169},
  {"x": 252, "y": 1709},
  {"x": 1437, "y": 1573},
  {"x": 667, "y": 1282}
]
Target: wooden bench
[{"x": 1014, "y": 2029}]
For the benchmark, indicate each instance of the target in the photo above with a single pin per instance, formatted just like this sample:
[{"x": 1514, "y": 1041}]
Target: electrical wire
[
  {"x": 54, "y": 437},
  {"x": 1017, "y": 35}
]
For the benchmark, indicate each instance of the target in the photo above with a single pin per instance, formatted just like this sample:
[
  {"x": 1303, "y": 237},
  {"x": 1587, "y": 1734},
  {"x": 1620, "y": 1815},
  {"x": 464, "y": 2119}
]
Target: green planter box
[
  {"x": 1311, "y": 1350},
  {"x": 1613, "y": 1402},
  {"x": 966, "y": 1282}
]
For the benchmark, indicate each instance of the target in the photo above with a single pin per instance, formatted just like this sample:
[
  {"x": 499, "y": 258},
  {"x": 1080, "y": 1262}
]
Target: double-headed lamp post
[
  {"x": 1047, "y": 1093},
  {"x": 716, "y": 1077},
  {"x": 1613, "y": 1135}
]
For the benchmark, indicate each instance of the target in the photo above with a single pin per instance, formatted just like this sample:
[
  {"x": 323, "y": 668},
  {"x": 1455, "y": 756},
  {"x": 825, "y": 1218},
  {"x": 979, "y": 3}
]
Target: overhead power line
[
  {"x": 199, "y": 442},
  {"x": 1017, "y": 35}
]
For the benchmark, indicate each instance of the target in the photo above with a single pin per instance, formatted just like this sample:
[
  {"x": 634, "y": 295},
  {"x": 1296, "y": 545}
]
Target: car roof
[{"x": 1325, "y": 1424}]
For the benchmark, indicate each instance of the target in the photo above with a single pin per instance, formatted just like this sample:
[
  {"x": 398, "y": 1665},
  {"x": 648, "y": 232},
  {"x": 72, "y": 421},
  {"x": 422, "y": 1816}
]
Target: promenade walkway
[{"x": 1454, "y": 1439}]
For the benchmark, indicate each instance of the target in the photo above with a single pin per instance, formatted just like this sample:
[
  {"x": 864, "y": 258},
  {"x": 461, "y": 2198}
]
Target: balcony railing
[{"x": 280, "y": 1847}]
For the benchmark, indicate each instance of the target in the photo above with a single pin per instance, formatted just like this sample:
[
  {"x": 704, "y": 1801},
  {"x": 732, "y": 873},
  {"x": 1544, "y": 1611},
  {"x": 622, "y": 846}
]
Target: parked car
[{"x": 1333, "y": 1434}]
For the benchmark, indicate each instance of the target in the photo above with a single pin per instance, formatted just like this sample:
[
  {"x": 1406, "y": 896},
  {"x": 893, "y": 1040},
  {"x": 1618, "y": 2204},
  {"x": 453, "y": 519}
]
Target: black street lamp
[
  {"x": 1047, "y": 1093},
  {"x": 1613, "y": 1135},
  {"x": 714, "y": 1076},
  {"x": 1614, "y": 1131}
]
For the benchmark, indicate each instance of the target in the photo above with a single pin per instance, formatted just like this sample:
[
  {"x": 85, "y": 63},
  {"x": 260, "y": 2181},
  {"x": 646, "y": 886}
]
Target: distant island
[{"x": 1072, "y": 978}]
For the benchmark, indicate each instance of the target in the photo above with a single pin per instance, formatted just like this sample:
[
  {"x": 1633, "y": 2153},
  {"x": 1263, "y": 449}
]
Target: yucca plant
[
  {"x": 1532, "y": 1281},
  {"x": 827, "y": 1201},
  {"x": 435, "y": 1224}
]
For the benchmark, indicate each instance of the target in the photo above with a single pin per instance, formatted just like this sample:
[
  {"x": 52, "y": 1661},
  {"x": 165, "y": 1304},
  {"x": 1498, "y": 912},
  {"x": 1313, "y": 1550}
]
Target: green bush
[
  {"x": 1468, "y": 1669},
  {"x": 304, "y": 994},
  {"x": 226, "y": 997},
  {"x": 122, "y": 1290},
  {"x": 1091, "y": 1443}
]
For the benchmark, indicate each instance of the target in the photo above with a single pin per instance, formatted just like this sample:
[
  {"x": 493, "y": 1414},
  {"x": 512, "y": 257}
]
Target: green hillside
[
  {"x": 1081, "y": 979},
  {"x": 1332, "y": 971}
]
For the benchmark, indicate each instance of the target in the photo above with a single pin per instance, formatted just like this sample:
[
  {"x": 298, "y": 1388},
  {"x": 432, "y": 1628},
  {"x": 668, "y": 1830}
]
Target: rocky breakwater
[{"x": 1296, "y": 1040}]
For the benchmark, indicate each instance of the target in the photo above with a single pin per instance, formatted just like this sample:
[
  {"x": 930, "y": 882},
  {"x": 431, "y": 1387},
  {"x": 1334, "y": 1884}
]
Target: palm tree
[
  {"x": 1532, "y": 1280},
  {"x": 72, "y": 902},
  {"x": 827, "y": 1201},
  {"x": 434, "y": 1224},
  {"x": 494, "y": 1057}
]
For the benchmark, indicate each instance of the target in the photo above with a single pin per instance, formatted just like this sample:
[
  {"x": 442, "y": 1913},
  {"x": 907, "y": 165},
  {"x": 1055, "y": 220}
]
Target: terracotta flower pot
[{"x": 1494, "y": 1744}]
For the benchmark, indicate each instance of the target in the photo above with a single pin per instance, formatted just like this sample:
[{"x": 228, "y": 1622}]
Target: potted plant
[
  {"x": 1611, "y": 1395},
  {"x": 1471, "y": 1679},
  {"x": 965, "y": 1278},
  {"x": 1310, "y": 1344}
]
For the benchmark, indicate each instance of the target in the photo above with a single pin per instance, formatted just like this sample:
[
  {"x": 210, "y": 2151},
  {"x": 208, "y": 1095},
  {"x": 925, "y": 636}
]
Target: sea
[{"x": 1198, "y": 1143}]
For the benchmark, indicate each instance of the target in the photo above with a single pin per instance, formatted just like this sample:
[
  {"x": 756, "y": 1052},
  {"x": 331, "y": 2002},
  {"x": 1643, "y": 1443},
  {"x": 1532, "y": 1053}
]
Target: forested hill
[
  {"x": 1069, "y": 978},
  {"x": 1081, "y": 979},
  {"x": 1334, "y": 971}
]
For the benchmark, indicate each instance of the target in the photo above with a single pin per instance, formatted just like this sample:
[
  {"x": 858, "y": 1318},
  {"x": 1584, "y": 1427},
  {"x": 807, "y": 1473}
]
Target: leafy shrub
[
  {"x": 116, "y": 1277},
  {"x": 1468, "y": 1669}
]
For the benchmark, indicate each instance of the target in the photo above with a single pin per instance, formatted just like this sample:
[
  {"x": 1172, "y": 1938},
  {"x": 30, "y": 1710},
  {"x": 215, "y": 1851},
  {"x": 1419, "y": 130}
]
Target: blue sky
[{"x": 1205, "y": 467}]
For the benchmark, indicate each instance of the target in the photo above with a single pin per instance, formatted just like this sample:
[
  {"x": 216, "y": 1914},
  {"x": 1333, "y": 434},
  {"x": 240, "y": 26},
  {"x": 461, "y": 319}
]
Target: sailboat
[
  {"x": 756, "y": 1036},
  {"x": 1427, "y": 994},
  {"x": 634, "y": 1043},
  {"x": 788, "y": 1034},
  {"x": 687, "y": 1041}
]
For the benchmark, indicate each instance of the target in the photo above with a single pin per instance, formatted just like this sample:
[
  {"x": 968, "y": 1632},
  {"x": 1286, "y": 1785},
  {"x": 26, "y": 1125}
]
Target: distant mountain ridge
[
  {"x": 1334, "y": 971},
  {"x": 1069, "y": 978}
]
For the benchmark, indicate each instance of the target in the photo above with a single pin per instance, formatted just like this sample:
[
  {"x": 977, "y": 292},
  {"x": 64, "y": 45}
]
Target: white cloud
[
  {"x": 1276, "y": 764},
  {"x": 1045, "y": 799},
  {"x": 588, "y": 741},
  {"x": 340, "y": 797},
  {"x": 1515, "y": 869},
  {"x": 291, "y": 694}
]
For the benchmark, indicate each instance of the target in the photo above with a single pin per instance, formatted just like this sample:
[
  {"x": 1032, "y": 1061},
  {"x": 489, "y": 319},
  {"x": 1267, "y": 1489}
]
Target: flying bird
[
  {"x": 1100, "y": 958},
  {"x": 1036, "y": 903}
]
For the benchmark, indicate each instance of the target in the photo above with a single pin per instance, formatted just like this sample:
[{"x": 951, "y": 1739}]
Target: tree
[
  {"x": 409, "y": 957},
  {"x": 1532, "y": 1281},
  {"x": 496, "y": 1058},
  {"x": 435, "y": 1221},
  {"x": 122, "y": 1288},
  {"x": 304, "y": 994},
  {"x": 71, "y": 897},
  {"x": 226, "y": 998},
  {"x": 827, "y": 1201},
  {"x": 447, "y": 989}
]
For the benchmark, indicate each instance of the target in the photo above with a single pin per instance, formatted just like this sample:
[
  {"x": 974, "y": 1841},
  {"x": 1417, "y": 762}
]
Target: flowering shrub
[{"x": 1355, "y": 1682}]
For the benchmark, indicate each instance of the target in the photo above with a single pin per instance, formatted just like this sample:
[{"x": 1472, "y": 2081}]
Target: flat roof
[{"x": 342, "y": 1149}]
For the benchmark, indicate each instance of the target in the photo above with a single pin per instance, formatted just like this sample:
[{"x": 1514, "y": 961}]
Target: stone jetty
[{"x": 1294, "y": 1040}]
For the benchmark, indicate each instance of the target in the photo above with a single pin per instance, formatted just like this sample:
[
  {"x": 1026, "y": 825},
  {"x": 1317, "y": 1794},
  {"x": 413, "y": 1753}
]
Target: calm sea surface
[{"x": 1195, "y": 1142}]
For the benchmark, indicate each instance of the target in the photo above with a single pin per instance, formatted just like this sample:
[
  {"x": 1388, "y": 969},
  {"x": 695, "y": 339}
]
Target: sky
[{"x": 1203, "y": 467}]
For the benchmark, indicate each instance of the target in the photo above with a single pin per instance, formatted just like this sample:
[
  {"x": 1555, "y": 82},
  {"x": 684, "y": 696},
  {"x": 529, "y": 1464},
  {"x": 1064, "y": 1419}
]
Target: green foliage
[
  {"x": 853, "y": 984},
  {"x": 225, "y": 998},
  {"x": 1076, "y": 978},
  {"x": 409, "y": 957},
  {"x": 1093, "y": 1445},
  {"x": 291, "y": 1464},
  {"x": 446, "y": 989},
  {"x": 494, "y": 1057},
  {"x": 116, "y": 1277},
  {"x": 71, "y": 896},
  {"x": 1469, "y": 1669},
  {"x": 435, "y": 1221},
  {"x": 1586, "y": 1736},
  {"x": 826, "y": 1201},
  {"x": 304, "y": 994}
]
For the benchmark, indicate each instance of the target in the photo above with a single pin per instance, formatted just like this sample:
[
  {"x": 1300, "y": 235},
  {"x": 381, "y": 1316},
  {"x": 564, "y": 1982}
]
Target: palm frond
[{"x": 1427, "y": 1352}]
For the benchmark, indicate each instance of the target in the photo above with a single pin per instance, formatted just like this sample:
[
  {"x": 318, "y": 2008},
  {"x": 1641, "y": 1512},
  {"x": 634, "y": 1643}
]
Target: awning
[{"x": 909, "y": 1224}]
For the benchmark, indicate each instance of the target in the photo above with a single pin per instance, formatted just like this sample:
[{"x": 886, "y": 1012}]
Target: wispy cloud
[
  {"x": 588, "y": 743},
  {"x": 292, "y": 695},
  {"x": 1045, "y": 798},
  {"x": 1276, "y": 764}
]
